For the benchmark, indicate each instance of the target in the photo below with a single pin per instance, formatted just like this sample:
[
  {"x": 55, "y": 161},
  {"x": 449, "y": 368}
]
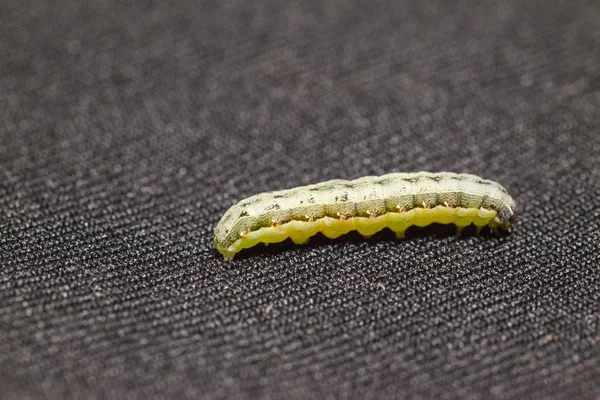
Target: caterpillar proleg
[{"x": 367, "y": 205}]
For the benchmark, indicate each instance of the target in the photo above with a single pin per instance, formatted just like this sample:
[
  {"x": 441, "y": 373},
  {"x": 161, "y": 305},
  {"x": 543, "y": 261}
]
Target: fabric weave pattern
[{"x": 127, "y": 130}]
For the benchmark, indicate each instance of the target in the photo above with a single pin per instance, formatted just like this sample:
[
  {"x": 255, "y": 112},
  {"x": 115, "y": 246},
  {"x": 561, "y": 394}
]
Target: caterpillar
[{"x": 367, "y": 205}]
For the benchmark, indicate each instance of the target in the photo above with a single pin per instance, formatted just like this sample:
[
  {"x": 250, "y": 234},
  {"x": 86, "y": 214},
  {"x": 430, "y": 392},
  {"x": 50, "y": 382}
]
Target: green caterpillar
[{"x": 367, "y": 205}]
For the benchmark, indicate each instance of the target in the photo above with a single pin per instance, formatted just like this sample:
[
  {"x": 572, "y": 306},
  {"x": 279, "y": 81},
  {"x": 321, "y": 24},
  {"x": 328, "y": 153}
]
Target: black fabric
[{"x": 127, "y": 130}]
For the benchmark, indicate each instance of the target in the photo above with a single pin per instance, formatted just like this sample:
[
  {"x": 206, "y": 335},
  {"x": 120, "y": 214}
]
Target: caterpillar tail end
[
  {"x": 226, "y": 249},
  {"x": 227, "y": 254}
]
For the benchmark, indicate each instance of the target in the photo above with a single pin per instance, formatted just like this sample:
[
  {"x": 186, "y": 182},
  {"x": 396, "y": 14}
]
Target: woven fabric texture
[{"x": 128, "y": 128}]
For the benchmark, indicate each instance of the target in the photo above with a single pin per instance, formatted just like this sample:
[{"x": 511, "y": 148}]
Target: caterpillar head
[{"x": 507, "y": 218}]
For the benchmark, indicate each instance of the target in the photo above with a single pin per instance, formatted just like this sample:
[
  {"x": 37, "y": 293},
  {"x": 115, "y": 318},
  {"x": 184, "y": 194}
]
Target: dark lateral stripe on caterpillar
[{"x": 368, "y": 205}]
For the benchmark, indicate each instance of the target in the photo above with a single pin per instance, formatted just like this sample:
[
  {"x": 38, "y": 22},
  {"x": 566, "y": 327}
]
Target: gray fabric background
[{"x": 126, "y": 130}]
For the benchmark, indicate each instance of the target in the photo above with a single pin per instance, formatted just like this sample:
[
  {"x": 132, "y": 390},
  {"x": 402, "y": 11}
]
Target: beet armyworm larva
[{"x": 368, "y": 205}]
